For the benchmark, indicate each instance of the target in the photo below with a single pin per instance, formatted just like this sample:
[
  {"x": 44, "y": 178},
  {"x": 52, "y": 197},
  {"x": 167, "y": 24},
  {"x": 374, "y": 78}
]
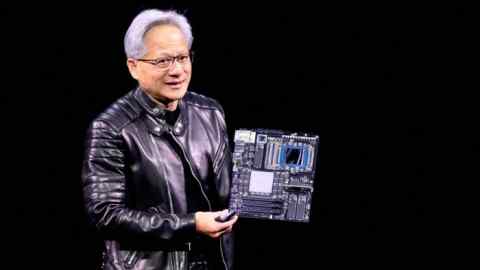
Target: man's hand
[{"x": 205, "y": 223}]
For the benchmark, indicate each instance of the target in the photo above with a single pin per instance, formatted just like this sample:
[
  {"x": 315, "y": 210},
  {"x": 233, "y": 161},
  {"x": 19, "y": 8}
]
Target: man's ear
[{"x": 132, "y": 67}]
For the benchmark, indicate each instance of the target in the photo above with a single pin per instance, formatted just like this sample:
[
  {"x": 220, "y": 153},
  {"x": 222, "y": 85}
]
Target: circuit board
[{"x": 273, "y": 174}]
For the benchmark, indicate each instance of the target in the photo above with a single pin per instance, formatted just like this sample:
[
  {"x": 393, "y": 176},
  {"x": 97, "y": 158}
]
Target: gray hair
[{"x": 146, "y": 20}]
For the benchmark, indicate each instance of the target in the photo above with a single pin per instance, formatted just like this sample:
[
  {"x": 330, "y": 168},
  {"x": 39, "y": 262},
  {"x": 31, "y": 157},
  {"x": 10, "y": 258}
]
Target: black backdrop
[{"x": 386, "y": 87}]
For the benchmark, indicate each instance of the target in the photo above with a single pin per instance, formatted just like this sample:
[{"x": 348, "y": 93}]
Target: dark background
[{"x": 387, "y": 88}]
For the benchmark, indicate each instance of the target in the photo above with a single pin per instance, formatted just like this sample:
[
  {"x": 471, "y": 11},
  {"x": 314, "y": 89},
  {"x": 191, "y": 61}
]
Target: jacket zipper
[
  {"x": 221, "y": 253},
  {"x": 191, "y": 170},
  {"x": 130, "y": 259},
  {"x": 201, "y": 189}
]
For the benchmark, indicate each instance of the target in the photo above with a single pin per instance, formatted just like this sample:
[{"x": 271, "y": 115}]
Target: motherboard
[{"x": 273, "y": 174}]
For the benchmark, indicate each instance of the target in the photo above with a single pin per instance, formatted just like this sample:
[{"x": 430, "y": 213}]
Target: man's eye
[
  {"x": 164, "y": 61},
  {"x": 182, "y": 58}
]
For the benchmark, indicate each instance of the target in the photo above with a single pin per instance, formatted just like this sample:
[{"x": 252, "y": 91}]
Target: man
[{"x": 157, "y": 167}]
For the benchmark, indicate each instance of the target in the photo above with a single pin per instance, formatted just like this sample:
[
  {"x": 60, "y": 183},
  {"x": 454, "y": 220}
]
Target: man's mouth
[{"x": 174, "y": 83}]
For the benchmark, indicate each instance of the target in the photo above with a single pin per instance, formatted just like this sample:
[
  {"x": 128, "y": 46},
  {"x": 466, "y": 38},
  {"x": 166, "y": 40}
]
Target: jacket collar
[
  {"x": 158, "y": 112},
  {"x": 153, "y": 108}
]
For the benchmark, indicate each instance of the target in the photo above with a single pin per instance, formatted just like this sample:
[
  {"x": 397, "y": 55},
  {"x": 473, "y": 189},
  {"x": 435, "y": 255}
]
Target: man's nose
[{"x": 175, "y": 68}]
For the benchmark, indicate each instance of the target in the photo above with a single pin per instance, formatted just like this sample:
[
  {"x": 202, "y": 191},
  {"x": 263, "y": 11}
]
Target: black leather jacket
[{"x": 144, "y": 179}]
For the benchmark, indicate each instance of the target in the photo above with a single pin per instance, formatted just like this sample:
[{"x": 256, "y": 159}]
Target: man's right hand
[{"x": 205, "y": 223}]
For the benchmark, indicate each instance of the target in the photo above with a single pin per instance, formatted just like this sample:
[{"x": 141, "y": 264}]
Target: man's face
[{"x": 166, "y": 84}]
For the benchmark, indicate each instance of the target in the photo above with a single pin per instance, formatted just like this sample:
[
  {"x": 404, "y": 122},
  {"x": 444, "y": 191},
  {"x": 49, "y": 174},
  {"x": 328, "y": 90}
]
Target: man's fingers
[
  {"x": 231, "y": 221},
  {"x": 206, "y": 223},
  {"x": 226, "y": 230},
  {"x": 223, "y": 212},
  {"x": 216, "y": 235},
  {"x": 226, "y": 227},
  {"x": 223, "y": 226}
]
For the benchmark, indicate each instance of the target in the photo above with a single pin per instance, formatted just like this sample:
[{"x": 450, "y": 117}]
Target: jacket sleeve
[{"x": 105, "y": 191}]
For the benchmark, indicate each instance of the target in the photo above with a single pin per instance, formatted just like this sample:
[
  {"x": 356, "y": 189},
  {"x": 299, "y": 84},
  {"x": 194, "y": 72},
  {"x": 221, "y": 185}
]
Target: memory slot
[
  {"x": 262, "y": 204},
  {"x": 262, "y": 199},
  {"x": 276, "y": 155},
  {"x": 272, "y": 156},
  {"x": 268, "y": 155},
  {"x": 282, "y": 155},
  {"x": 253, "y": 215},
  {"x": 261, "y": 210}
]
